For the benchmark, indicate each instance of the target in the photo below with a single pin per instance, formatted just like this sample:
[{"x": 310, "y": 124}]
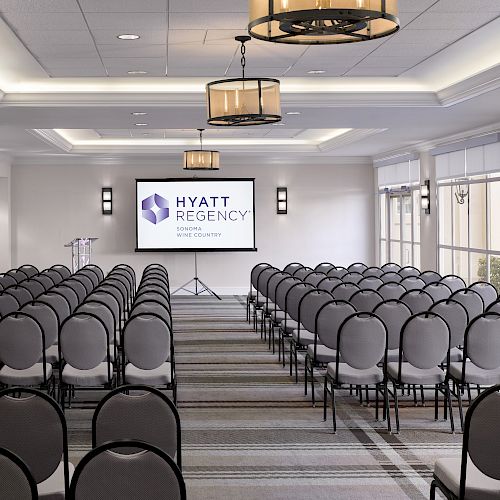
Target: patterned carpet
[{"x": 250, "y": 433}]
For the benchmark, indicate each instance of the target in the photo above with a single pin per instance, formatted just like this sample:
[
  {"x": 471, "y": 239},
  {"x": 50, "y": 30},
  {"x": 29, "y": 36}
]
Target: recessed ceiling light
[
  {"x": 141, "y": 124},
  {"x": 145, "y": 135},
  {"x": 137, "y": 72},
  {"x": 128, "y": 36},
  {"x": 279, "y": 124},
  {"x": 138, "y": 113},
  {"x": 316, "y": 72},
  {"x": 294, "y": 113}
]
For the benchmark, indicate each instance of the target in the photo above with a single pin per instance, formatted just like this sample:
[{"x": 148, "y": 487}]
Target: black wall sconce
[
  {"x": 107, "y": 201},
  {"x": 282, "y": 200},
  {"x": 425, "y": 196}
]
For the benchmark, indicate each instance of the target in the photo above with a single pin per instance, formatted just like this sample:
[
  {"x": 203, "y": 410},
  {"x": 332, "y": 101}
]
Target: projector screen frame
[{"x": 193, "y": 250}]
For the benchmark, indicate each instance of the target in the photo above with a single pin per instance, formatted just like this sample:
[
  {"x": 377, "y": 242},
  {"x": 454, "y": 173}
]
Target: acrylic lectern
[{"x": 81, "y": 252}]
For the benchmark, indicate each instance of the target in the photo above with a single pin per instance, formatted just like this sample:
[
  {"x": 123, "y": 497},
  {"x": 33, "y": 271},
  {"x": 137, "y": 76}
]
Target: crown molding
[
  {"x": 348, "y": 138},
  {"x": 52, "y": 138}
]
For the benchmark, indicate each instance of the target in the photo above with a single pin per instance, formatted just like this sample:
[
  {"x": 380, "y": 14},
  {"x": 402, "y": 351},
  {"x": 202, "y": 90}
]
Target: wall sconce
[
  {"x": 107, "y": 201},
  {"x": 425, "y": 196},
  {"x": 282, "y": 200}
]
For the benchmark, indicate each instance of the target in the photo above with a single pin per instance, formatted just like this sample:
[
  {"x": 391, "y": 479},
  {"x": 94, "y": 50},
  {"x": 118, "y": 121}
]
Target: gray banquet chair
[
  {"x": 471, "y": 300},
  {"x": 18, "y": 275},
  {"x": 370, "y": 283},
  {"x": 62, "y": 270},
  {"x": 292, "y": 267},
  {"x": 391, "y": 277},
  {"x": 357, "y": 267},
  {"x": 58, "y": 302},
  {"x": 302, "y": 273},
  {"x": 408, "y": 271},
  {"x": 8, "y": 304},
  {"x": 6, "y": 280},
  {"x": 365, "y": 300},
  {"x": 29, "y": 270},
  {"x": 424, "y": 343},
  {"x": 68, "y": 293},
  {"x": 53, "y": 275},
  {"x": 271, "y": 306},
  {"x": 362, "y": 341},
  {"x": 487, "y": 291},
  {"x": 105, "y": 473},
  {"x": 493, "y": 307},
  {"x": 152, "y": 306},
  {"x": 34, "y": 287},
  {"x": 481, "y": 359},
  {"x": 438, "y": 291},
  {"x": 78, "y": 287},
  {"x": 474, "y": 475},
  {"x": 16, "y": 481},
  {"x": 417, "y": 300},
  {"x": 345, "y": 291},
  {"x": 148, "y": 350},
  {"x": 391, "y": 290},
  {"x": 338, "y": 272},
  {"x": 45, "y": 280},
  {"x": 33, "y": 427},
  {"x": 328, "y": 284},
  {"x": 453, "y": 282},
  {"x": 352, "y": 277},
  {"x": 373, "y": 271},
  {"x": 85, "y": 280},
  {"x": 91, "y": 275},
  {"x": 390, "y": 267},
  {"x": 151, "y": 417},
  {"x": 23, "y": 295},
  {"x": 413, "y": 283},
  {"x": 430, "y": 277},
  {"x": 315, "y": 278},
  {"x": 324, "y": 267}
]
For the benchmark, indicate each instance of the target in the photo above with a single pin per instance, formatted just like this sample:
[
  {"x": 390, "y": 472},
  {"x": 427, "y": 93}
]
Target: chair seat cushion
[
  {"x": 392, "y": 355},
  {"x": 53, "y": 487},
  {"x": 29, "y": 376},
  {"x": 52, "y": 354},
  {"x": 158, "y": 376},
  {"x": 455, "y": 355},
  {"x": 86, "y": 378},
  {"x": 478, "y": 486},
  {"x": 323, "y": 354},
  {"x": 474, "y": 374},
  {"x": 412, "y": 375},
  {"x": 303, "y": 337},
  {"x": 270, "y": 307},
  {"x": 289, "y": 327},
  {"x": 349, "y": 375},
  {"x": 278, "y": 316}
]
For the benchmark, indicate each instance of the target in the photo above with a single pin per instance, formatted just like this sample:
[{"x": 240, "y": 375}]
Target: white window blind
[{"x": 399, "y": 174}]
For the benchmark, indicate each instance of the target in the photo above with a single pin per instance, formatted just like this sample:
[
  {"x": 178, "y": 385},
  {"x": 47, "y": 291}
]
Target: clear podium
[{"x": 81, "y": 252}]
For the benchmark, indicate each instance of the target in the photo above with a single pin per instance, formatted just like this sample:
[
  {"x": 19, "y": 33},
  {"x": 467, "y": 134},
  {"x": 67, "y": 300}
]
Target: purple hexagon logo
[{"x": 155, "y": 209}]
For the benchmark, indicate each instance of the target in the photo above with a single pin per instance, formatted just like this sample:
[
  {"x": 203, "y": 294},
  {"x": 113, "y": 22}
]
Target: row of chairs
[
  {"x": 136, "y": 448},
  {"x": 311, "y": 317}
]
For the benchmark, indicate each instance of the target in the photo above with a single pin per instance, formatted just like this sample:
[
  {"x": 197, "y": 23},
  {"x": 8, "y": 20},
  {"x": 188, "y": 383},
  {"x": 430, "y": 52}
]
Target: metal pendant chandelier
[
  {"x": 243, "y": 101},
  {"x": 201, "y": 159},
  {"x": 312, "y": 22}
]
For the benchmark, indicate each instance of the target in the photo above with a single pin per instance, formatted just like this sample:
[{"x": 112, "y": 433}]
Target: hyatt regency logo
[{"x": 155, "y": 209}]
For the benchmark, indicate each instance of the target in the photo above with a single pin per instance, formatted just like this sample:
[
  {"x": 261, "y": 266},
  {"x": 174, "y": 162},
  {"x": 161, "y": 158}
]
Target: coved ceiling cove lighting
[
  {"x": 322, "y": 21},
  {"x": 243, "y": 101},
  {"x": 201, "y": 159}
]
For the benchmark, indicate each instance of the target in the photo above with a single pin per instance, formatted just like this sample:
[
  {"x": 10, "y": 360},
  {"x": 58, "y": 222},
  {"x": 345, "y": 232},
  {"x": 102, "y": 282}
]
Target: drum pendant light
[{"x": 201, "y": 159}]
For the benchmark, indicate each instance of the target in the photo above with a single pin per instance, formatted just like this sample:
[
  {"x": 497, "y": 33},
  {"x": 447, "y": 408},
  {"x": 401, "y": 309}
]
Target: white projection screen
[{"x": 191, "y": 215}]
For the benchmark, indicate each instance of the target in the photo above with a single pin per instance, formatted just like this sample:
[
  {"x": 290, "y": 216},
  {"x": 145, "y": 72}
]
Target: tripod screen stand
[{"x": 199, "y": 286}]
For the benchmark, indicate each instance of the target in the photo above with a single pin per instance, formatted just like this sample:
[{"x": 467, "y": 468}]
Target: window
[
  {"x": 400, "y": 226},
  {"x": 469, "y": 245}
]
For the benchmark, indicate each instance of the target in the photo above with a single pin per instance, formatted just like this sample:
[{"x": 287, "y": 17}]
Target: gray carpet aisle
[{"x": 250, "y": 433}]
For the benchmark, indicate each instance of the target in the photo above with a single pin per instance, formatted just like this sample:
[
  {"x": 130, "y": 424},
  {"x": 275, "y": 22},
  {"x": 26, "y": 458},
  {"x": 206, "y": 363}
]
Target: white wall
[
  {"x": 5, "y": 240},
  {"x": 330, "y": 218}
]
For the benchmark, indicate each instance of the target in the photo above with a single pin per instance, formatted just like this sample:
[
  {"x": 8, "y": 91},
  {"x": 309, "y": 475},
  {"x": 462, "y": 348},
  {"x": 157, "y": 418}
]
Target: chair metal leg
[
  {"x": 422, "y": 395},
  {"x": 396, "y": 407},
  {"x": 448, "y": 401},
  {"x": 436, "y": 404},
  {"x": 296, "y": 366},
  {"x": 305, "y": 375},
  {"x": 291, "y": 354},
  {"x": 433, "y": 490},
  {"x": 325, "y": 397},
  {"x": 334, "y": 414},
  {"x": 313, "y": 396},
  {"x": 460, "y": 408},
  {"x": 387, "y": 406}
]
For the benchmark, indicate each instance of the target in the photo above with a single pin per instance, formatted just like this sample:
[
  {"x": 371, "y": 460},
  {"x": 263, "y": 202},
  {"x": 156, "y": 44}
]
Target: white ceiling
[{"x": 62, "y": 67}]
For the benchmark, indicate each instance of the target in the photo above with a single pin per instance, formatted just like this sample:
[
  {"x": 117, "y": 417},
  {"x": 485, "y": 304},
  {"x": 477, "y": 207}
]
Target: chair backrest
[
  {"x": 78, "y": 287},
  {"x": 67, "y": 292},
  {"x": 86, "y": 280},
  {"x": 102, "y": 311},
  {"x": 45, "y": 280},
  {"x": 357, "y": 267},
  {"x": 122, "y": 289},
  {"x": 453, "y": 282},
  {"x": 47, "y": 316},
  {"x": 6, "y": 280},
  {"x": 345, "y": 291},
  {"x": 21, "y": 341},
  {"x": 407, "y": 271},
  {"x": 156, "y": 284},
  {"x": 282, "y": 291},
  {"x": 394, "y": 314},
  {"x": 141, "y": 413},
  {"x": 29, "y": 270},
  {"x": 130, "y": 271},
  {"x": 34, "y": 287},
  {"x": 482, "y": 341},
  {"x": 8, "y": 304},
  {"x": 314, "y": 278},
  {"x": 391, "y": 277},
  {"x": 90, "y": 274},
  {"x": 456, "y": 316},
  {"x": 324, "y": 267},
  {"x": 309, "y": 306},
  {"x": 362, "y": 340},
  {"x": 438, "y": 291},
  {"x": 58, "y": 302},
  {"x": 328, "y": 284},
  {"x": 84, "y": 341},
  {"x": 115, "y": 292},
  {"x": 22, "y": 295},
  {"x": 412, "y": 283},
  {"x": 147, "y": 296},
  {"x": 302, "y": 273},
  {"x": 373, "y": 271},
  {"x": 273, "y": 283},
  {"x": 352, "y": 277},
  {"x": 481, "y": 440},
  {"x": 329, "y": 319},
  {"x": 152, "y": 306},
  {"x": 430, "y": 277},
  {"x": 95, "y": 269},
  {"x": 391, "y": 290},
  {"x": 33, "y": 427},
  {"x": 294, "y": 297},
  {"x": 417, "y": 300},
  {"x": 147, "y": 341},
  {"x": 18, "y": 275},
  {"x": 53, "y": 275},
  {"x": 391, "y": 267},
  {"x": 62, "y": 270},
  {"x": 365, "y": 300},
  {"x": 16, "y": 481},
  {"x": 292, "y": 267},
  {"x": 264, "y": 278},
  {"x": 494, "y": 307},
  {"x": 471, "y": 300},
  {"x": 425, "y": 340},
  {"x": 487, "y": 291},
  {"x": 126, "y": 280},
  {"x": 255, "y": 272},
  {"x": 338, "y": 272},
  {"x": 370, "y": 283},
  {"x": 105, "y": 473}
]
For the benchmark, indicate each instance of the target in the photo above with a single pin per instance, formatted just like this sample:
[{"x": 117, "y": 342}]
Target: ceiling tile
[
  {"x": 201, "y": 56},
  {"x": 65, "y": 51},
  {"x": 127, "y": 22},
  {"x": 256, "y": 71},
  {"x": 77, "y": 72},
  {"x": 417, "y": 35},
  {"x": 220, "y": 6},
  {"x": 363, "y": 71},
  {"x": 209, "y": 20},
  {"x": 124, "y": 5},
  {"x": 59, "y": 62},
  {"x": 39, "y": 6},
  {"x": 33, "y": 38},
  {"x": 452, "y": 20},
  {"x": 113, "y": 51},
  {"x": 186, "y": 36},
  {"x": 391, "y": 62},
  {"x": 467, "y": 6},
  {"x": 27, "y": 21},
  {"x": 108, "y": 37},
  {"x": 413, "y": 6}
]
